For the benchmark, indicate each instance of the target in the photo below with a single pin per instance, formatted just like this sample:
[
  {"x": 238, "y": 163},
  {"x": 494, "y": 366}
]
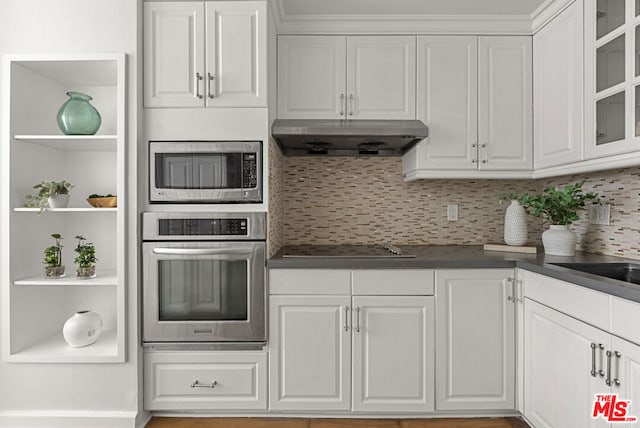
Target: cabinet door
[
  {"x": 310, "y": 353},
  {"x": 236, "y": 54},
  {"x": 475, "y": 339},
  {"x": 311, "y": 77},
  {"x": 174, "y": 54},
  {"x": 381, "y": 77},
  {"x": 505, "y": 107},
  {"x": 558, "y": 89},
  {"x": 448, "y": 101},
  {"x": 559, "y": 385},
  {"x": 626, "y": 369},
  {"x": 393, "y": 353}
]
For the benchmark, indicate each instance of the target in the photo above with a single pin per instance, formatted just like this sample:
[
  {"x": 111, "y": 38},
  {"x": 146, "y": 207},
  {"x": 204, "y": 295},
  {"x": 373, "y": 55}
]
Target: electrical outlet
[
  {"x": 452, "y": 212},
  {"x": 600, "y": 214}
]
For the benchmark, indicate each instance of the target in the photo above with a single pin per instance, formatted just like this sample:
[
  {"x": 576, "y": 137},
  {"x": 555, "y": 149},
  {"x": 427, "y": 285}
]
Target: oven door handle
[{"x": 200, "y": 251}]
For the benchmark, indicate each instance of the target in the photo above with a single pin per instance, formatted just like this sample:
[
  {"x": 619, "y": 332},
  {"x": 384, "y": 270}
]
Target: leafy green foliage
[
  {"x": 46, "y": 189},
  {"x": 554, "y": 205},
  {"x": 53, "y": 254},
  {"x": 86, "y": 253}
]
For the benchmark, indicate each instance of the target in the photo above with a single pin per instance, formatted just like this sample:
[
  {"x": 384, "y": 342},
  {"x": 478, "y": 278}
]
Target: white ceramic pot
[
  {"x": 515, "y": 224},
  {"x": 82, "y": 329},
  {"x": 58, "y": 201},
  {"x": 558, "y": 240}
]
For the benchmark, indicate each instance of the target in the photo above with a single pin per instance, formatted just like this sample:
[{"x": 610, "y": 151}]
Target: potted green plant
[
  {"x": 86, "y": 258},
  {"x": 559, "y": 207},
  {"x": 53, "y": 258},
  {"x": 55, "y": 194}
]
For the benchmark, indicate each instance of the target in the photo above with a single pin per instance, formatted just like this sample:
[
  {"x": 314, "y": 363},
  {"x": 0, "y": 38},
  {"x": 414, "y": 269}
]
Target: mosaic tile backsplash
[{"x": 346, "y": 200}]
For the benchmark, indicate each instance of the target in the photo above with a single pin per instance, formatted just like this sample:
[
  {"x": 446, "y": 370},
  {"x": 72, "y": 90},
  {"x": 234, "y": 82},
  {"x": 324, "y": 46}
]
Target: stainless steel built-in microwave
[{"x": 205, "y": 171}]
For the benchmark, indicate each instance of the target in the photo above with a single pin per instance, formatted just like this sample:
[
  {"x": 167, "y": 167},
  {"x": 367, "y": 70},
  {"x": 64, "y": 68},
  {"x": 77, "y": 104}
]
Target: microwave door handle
[{"x": 199, "y": 251}]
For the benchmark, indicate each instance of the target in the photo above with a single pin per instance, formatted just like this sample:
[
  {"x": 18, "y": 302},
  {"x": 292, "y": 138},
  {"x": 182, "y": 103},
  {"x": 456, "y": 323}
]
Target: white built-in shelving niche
[{"x": 34, "y": 309}]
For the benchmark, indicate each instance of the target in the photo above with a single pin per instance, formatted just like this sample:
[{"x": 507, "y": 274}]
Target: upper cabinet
[
  {"x": 205, "y": 54},
  {"x": 475, "y": 94},
  {"x": 558, "y": 89},
  {"x": 346, "y": 77},
  {"x": 612, "y": 77}
]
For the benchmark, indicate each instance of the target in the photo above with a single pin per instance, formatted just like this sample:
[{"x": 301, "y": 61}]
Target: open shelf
[
  {"x": 55, "y": 350},
  {"x": 104, "y": 277},
  {"x": 72, "y": 142},
  {"x": 67, "y": 210}
]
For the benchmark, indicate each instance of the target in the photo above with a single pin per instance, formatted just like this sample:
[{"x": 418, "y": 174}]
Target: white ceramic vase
[
  {"x": 558, "y": 240},
  {"x": 82, "y": 329},
  {"x": 515, "y": 224},
  {"x": 58, "y": 201}
]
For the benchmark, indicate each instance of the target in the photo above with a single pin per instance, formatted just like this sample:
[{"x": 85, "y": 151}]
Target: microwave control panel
[{"x": 203, "y": 227}]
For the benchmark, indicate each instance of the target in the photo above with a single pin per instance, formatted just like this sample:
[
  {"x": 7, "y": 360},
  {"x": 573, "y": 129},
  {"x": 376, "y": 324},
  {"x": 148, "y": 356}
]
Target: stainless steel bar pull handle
[
  {"x": 210, "y": 84},
  {"x": 346, "y": 318},
  {"x": 350, "y": 104},
  {"x": 357, "y": 329},
  {"x": 196, "y": 384},
  {"x": 594, "y": 373},
  {"x": 342, "y": 105},
  {"x": 198, "y": 79},
  {"x": 486, "y": 153},
  {"x": 513, "y": 297},
  {"x": 609, "y": 355},
  {"x": 474, "y": 152},
  {"x": 601, "y": 371},
  {"x": 199, "y": 251},
  {"x": 616, "y": 380}
]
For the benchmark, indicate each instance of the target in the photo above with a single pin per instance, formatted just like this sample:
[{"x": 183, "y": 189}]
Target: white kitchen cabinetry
[
  {"x": 346, "y": 77},
  {"x": 475, "y": 339},
  {"x": 311, "y": 336},
  {"x": 559, "y": 388},
  {"x": 612, "y": 78},
  {"x": 199, "y": 54},
  {"x": 198, "y": 380},
  {"x": 33, "y": 150},
  {"x": 558, "y": 89},
  {"x": 575, "y": 348},
  {"x": 475, "y": 94}
]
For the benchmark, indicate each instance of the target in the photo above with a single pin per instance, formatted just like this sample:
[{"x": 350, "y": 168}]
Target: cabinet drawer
[
  {"x": 240, "y": 380},
  {"x": 625, "y": 316},
  {"x": 309, "y": 281},
  {"x": 387, "y": 282},
  {"x": 579, "y": 302}
]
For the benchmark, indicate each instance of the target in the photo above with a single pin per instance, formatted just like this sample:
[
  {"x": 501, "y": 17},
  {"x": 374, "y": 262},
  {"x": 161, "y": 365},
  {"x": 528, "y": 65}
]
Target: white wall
[{"x": 66, "y": 394}]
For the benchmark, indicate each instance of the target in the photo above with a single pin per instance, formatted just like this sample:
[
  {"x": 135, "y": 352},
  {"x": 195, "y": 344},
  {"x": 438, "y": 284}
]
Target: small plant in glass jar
[
  {"x": 53, "y": 258},
  {"x": 86, "y": 258}
]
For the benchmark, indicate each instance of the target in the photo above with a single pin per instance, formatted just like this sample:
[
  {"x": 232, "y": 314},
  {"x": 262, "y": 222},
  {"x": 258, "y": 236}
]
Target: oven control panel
[{"x": 202, "y": 226}]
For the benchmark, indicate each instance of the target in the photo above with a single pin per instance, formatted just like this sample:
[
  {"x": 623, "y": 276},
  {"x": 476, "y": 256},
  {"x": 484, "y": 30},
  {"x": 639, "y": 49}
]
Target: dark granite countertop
[{"x": 454, "y": 257}]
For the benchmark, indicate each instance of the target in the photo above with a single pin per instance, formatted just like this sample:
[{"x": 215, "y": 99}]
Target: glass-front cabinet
[{"x": 612, "y": 77}]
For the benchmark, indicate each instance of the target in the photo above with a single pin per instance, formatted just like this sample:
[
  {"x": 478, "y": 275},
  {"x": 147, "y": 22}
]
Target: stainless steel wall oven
[{"x": 204, "y": 277}]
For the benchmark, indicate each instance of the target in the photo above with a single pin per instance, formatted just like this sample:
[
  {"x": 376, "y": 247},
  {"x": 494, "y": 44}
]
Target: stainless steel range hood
[{"x": 305, "y": 137}]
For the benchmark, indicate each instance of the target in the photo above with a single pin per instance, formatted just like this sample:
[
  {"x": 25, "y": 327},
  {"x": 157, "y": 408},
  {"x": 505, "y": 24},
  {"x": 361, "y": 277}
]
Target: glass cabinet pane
[
  {"x": 609, "y": 16},
  {"x": 610, "y": 119},
  {"x": 610, "y": 64},
  {"x": 637, "y": 53},
  {"x": 637, "y": 113}
]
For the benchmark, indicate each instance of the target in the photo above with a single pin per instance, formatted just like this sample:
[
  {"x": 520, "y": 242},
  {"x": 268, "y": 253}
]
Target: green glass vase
[{"x": 77, "y": 116}]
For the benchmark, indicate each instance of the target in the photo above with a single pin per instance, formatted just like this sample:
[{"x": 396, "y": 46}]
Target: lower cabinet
[
  {"x": 568, "y": 363},
  {"x": 353, "y": 352},
  {"x": 475, "y": 339},
  {"x": 205, "y": 380}
]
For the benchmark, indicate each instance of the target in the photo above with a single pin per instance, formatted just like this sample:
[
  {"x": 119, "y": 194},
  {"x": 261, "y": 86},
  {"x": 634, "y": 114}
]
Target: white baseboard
[{"x": 70, "y": 419}]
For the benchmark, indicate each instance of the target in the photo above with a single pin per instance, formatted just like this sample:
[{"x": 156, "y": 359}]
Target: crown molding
[
  {"x": 400, "y": 24},
  {"x": 548, "y": 10}
]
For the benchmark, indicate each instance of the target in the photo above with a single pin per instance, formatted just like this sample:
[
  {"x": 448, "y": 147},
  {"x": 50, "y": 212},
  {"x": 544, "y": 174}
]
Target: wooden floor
[{"x": 334, "y": 423}]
